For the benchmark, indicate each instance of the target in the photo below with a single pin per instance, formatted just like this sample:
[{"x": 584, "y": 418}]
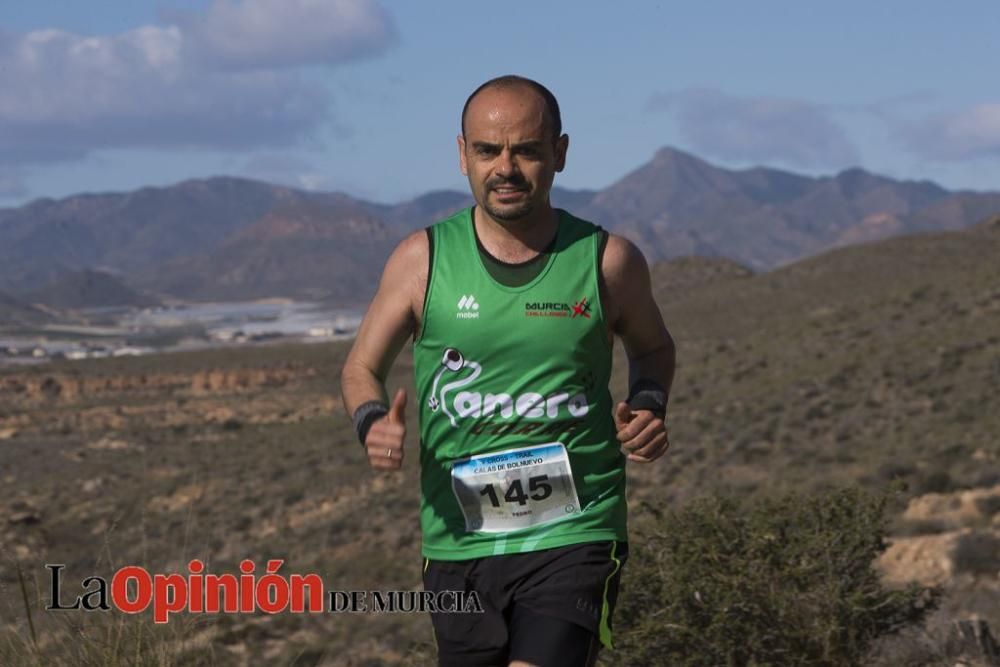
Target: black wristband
[
  {"x": 365, "y": 416},
  {"x": 648, "y": 395}
]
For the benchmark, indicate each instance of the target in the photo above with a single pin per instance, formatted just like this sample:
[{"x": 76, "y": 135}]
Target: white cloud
[
  {"x": 757, "y": 129},
  {"x": 218, "y": 80},
  {"x": 270, "y": 33},
  {"x": 970, "y": 134}
]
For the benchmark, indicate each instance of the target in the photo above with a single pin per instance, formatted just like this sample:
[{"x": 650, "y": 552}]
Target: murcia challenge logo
[{"x": 557, "y": 309}]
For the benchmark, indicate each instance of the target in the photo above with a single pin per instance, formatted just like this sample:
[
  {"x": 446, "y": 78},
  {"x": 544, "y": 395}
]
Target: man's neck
[{"x": 516, "y": 241}]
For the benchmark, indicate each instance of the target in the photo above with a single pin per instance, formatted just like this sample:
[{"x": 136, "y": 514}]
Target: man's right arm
[{"x": 391, "y": 318}]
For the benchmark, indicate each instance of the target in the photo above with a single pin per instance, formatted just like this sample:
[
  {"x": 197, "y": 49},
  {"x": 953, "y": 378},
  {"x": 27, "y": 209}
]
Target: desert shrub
[
  {"x": 988, "y": 476},
  {"x": 787, "y": 580},
  {"x": 978, "y": 553},
  {"x": 105, "y": 640},
  {"x": 937, "y": 481},
  {"x": 893, "y": 470},
  {"x": 232, "y": 424},
  {"x": 988, "y": 505}
]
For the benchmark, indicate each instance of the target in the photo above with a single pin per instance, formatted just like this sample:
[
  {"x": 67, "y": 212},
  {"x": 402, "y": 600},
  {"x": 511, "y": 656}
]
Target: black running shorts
[{"x": 550, "y": 607}]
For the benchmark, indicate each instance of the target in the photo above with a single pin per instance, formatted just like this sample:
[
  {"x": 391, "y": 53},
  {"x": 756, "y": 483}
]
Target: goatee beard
[{"x": 509, "y": 215}]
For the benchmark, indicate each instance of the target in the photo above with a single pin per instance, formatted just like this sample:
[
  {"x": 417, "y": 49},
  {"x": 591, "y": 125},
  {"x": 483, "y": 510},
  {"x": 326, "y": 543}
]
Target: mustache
[{"x": 516, "y": 182}]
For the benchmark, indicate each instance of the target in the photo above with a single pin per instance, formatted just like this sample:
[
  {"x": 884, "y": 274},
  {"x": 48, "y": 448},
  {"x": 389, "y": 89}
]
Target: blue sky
[{"x": 364, "y": 96}]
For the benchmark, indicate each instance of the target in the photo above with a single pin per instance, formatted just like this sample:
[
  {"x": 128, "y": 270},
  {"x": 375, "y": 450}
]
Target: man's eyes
[{"x": 492, "y": 151}]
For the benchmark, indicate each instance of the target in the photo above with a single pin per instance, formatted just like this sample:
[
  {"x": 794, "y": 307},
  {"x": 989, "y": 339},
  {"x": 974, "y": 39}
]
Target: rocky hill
[
  {"x": 89, "y": 289},
  {"x": 677, "y": 204},
  {"x": 125, "y": 232},
  {"x": 307, "y": 249},
  {"x": 18, "y": 313}
]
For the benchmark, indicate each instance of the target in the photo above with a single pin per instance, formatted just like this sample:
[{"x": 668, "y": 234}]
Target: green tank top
[{"x": 517, "y": 444}]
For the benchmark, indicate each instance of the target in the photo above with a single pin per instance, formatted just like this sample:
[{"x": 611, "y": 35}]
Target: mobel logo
[{"x": 468, "y": 308}]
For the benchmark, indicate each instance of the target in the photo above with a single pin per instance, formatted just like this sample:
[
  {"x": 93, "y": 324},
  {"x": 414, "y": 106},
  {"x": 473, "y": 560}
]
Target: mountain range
[{"x": 232, "y": 238}]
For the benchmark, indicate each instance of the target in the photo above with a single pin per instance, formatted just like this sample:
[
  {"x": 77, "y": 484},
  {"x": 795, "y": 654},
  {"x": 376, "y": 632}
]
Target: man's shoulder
[
  {"x": 576, "y": 229},
  {"x": 617, "y": 252},
  {"x": 622, "y": 250},
  {"x": 409, "y": 252},
  {"x": 456, "y": 219},
  {"x": 622, "y": 262}
]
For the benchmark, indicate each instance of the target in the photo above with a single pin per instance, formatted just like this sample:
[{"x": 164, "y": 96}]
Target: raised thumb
[
  {"x": 397, "y": 412},
  {"x": 623, "y": 413}
]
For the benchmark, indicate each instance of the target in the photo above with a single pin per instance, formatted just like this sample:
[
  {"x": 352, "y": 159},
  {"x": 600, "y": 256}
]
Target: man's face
[{"x": 508, "y": 152}]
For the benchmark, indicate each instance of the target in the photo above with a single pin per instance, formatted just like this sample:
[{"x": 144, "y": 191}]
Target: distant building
[
  {"x": 320, "y": 332},
  {"x": 131, "y": 351}
]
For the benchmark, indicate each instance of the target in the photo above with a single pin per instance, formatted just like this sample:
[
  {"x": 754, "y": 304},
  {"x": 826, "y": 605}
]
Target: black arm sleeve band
[
  {"x": 648, "y": 395},
  {"x": 365, "y": 416}
]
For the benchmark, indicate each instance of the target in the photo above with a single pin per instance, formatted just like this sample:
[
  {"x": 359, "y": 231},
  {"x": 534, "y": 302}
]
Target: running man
[{"x": 513, "y": 306}]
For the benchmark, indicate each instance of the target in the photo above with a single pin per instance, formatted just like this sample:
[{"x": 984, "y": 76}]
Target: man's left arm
[{"x": 635, "y": 317}]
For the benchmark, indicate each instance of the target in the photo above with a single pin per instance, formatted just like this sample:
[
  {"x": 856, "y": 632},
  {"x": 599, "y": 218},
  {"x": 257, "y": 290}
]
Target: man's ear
[
  {"x": 461, "y": 156},
  {"x": 562, "y": 145}
]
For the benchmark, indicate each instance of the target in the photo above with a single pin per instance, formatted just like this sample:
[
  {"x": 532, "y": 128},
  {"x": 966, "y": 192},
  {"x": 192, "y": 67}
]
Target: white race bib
[{"x": 515, "y": 488}]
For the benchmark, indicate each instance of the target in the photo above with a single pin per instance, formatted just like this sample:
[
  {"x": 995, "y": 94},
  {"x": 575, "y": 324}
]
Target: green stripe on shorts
[{"x": 604, "y": 629}]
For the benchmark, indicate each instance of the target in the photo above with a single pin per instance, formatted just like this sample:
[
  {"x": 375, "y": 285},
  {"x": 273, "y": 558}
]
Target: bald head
[
  {"x": 511, "y": 148},
  {"x": 514, "y": 83}
]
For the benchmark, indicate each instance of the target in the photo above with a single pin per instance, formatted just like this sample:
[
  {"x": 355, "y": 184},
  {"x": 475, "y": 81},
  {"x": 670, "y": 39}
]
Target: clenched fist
[{"x": 642, "y": 434}]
